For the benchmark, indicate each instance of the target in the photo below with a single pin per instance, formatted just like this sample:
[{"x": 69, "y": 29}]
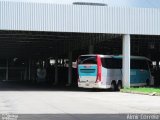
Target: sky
[{"x": 128, "y": 3}]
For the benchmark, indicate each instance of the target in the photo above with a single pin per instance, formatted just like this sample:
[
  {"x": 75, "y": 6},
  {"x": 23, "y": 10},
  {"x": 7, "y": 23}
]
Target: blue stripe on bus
[{"x": 139, "y": 76}]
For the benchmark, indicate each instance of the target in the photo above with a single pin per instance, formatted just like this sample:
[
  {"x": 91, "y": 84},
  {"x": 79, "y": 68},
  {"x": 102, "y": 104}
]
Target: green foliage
[{"x": 142, "y": 90}]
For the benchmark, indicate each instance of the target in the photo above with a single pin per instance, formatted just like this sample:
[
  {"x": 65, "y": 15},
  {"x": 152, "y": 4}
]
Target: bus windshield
[{"x": 87, "y": 60}]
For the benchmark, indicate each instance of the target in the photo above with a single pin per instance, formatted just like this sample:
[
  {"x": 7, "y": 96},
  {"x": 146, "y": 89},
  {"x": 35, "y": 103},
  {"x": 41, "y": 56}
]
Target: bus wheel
[
  {"x": 113, "y": 86},
  {"x": 119, "y": 86}
]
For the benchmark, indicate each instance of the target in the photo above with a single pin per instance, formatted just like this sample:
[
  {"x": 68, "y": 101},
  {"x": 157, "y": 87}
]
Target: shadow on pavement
[{"x": 29, "y": 86}]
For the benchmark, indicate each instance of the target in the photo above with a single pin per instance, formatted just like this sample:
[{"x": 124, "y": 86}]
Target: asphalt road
[{"x": 73, "y": 104}]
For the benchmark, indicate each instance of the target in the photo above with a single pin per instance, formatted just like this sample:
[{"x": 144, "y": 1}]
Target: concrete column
[
  {"x": 29, "y": 69},
  {"x": 7, "y": 69},
  {"x": 56, "y": 72},
  {"x": 70, "y": 69},
  {"x": 126, "y": 61}
]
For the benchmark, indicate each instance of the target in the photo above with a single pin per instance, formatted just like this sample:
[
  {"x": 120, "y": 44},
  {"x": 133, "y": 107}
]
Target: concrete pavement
[
  {"x": 76, "y": 104},
  {"x": 81, "y": 102}
]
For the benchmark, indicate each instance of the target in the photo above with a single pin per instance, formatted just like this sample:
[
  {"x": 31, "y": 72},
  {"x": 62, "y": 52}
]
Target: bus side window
[
  {"x": 144, "y": 64},
  {"x": 133, "y": 64},
  {"x": 139, "y": 64},
  {"x": 112, "y": 63}
]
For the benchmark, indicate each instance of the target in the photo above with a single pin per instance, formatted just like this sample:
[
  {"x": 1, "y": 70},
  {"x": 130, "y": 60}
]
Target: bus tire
[
  {"x": 119, "y": 85},
  {"x": 113, "y": 86}
]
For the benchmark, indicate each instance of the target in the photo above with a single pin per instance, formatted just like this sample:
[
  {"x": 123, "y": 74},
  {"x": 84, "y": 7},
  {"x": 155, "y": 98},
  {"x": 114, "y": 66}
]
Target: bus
[{"x": 105, "y": 71}]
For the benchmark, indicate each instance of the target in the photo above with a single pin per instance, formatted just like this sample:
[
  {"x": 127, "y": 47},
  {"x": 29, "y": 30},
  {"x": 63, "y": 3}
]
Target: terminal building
[{"x": 52, "y": 34}]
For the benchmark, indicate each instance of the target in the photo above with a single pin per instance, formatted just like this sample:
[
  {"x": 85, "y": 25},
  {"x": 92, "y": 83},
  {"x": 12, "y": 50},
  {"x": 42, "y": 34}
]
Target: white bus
[{"x": 105, "y": 71}]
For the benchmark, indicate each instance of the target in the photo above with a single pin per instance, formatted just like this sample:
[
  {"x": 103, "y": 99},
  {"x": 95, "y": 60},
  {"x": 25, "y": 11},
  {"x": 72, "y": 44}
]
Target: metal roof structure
[
  {"x": 52, "y": 28},
  {"x": 115, "y": 3},
  {"x": 78, "y": 18}
]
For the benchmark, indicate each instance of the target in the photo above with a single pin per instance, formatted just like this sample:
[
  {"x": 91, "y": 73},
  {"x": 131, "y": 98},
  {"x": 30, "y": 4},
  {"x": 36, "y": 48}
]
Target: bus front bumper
[{"x": 92, "y": 85}]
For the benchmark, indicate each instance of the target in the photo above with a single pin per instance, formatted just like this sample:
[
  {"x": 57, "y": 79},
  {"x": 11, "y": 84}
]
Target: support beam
[
  {"x": 7, "y": 69},
  {"x": 56, "y": 72},
  {"x": 29, "y": 69},
  {"x": 91, "y": 49},
  {"x": 126, "y": 61},
  {"x": 25, "y": 74},
  {"x": 70, "y": 69}
]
